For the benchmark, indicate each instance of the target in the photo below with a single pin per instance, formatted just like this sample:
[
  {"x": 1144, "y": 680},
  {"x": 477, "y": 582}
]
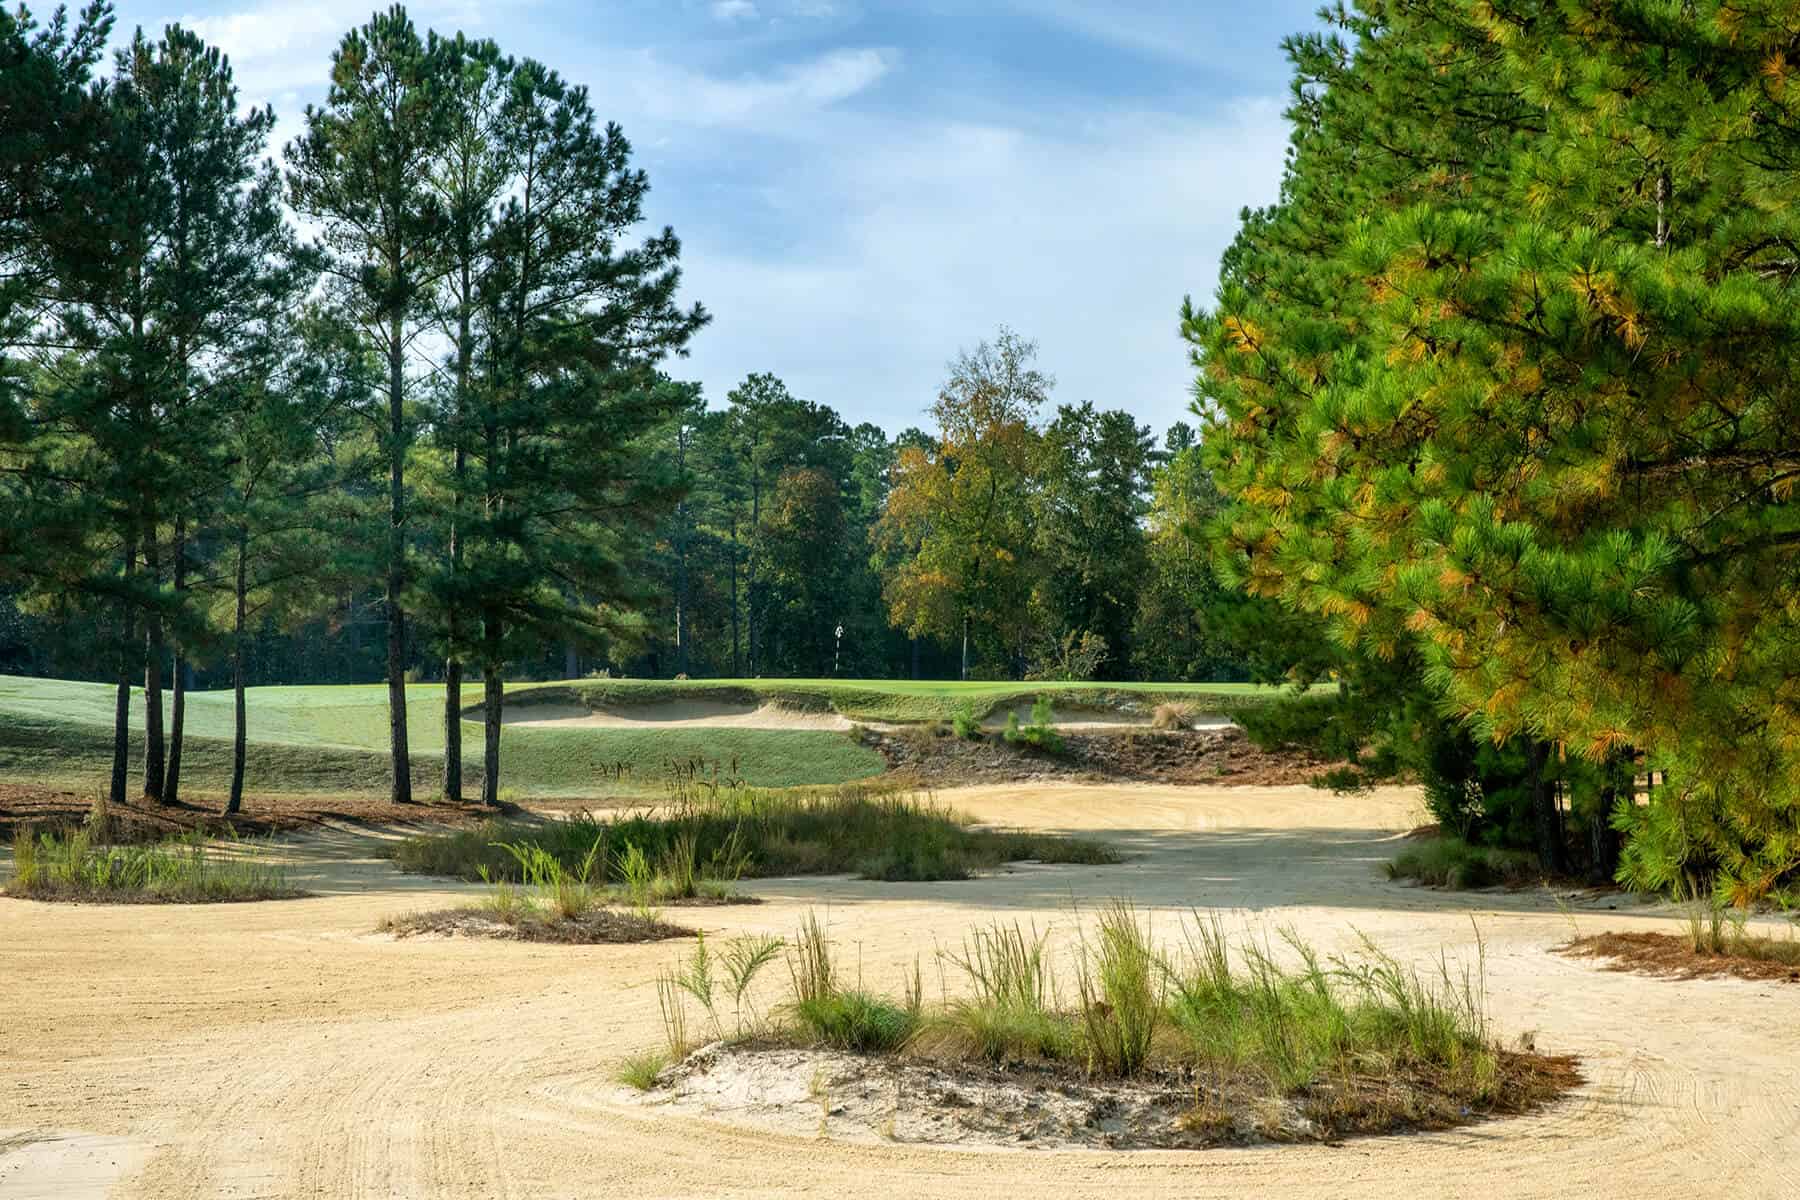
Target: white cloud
[
  {"x": 665, "y": 92},
  {"x": 733, "y": 10},
  {"x": 1086, "y": 242}
]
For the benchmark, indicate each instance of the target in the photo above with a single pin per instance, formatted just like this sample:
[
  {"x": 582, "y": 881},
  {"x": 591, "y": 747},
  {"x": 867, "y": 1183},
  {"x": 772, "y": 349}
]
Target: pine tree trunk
[
  {"x": 453, "y": 667},
  {"x": 492, "y": 709},
  {"x": 453, "y": 775},
  {"x": 177, "y": 680},
  {"x": 737, "y": 666},
  {"x": 1543, "y": 810},
  {"x": 239, "y": 734},
  {"x": 155, "y": 649},
  {"x": 1603, "y": 839},
  {"x": 965, "y": 647},
  {"x": 396, "y": 572},
  {"x": 121, "y": 764}
]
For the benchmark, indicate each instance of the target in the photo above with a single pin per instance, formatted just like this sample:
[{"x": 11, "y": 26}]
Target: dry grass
[
  {"x": 595, "y": 927},
  {"x": 1173, "y": 715}
]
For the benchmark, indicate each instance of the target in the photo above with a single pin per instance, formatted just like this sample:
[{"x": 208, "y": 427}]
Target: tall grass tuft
[
  {"x": 1010, "y": 1009},
  {"x": 836, "y": 1016},
  {"x": 1359, "y": 1042},
  {"x": 1120, "y": 981}
]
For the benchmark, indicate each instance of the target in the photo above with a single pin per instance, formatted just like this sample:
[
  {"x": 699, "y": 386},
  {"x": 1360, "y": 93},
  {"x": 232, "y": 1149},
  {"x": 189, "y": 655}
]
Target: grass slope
[
  {"x": 333, "y": 739},
  {"x": 899, "y": 699}
]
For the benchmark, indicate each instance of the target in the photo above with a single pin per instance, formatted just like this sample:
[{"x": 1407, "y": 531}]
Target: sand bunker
[
  {"x": 677, "y": 714},
  {"x": 280, "y": 1050}
]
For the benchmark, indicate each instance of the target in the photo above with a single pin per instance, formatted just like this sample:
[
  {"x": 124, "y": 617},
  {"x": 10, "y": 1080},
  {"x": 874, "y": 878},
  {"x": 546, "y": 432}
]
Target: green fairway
[{"x": 333, "y": 738}]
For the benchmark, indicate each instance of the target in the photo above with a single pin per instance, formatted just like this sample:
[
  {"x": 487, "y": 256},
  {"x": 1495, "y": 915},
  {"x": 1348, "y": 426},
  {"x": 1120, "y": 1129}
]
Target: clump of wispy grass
[
  {"x": 1121, "y": 992},
  {"x": 1009, "y": 1010},
  {"x": 640, "y": 1071},
  {"x": 718, "y": 835},
  {"x": 1453, "y": 863},
  {"x": 77, "y": 866}
]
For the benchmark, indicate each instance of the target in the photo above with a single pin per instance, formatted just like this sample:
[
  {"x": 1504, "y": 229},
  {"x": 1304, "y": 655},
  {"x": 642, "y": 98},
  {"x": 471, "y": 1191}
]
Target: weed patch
[
  {"x": 719, "y": 835},
  {"x": 1450, "y": 862},
  {"x": 76, "y": 866}
]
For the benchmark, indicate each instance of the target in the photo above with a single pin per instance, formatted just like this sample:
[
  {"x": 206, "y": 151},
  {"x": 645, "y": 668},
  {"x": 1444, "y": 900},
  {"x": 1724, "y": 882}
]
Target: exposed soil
[
  {"x": 146, "y": 820},
  {"x": 1041, "y": 1106},
  {"x": 599, "y": 927},
  {"x": 1669, "y": 955},
  {"x": 1218, "y": 756}
]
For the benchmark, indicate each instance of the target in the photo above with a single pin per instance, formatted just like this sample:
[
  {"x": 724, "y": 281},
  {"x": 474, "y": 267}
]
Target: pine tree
[
  {"x": 363, "y": 172},
  {"x": 573, "y": 327},
  {"x": 468, "y": 180},
  {"x": 1506, "y": 375}
]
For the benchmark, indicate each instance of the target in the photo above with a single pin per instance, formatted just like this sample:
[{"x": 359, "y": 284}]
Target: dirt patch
[
  {"x": 1222, "y": 757},
  {"x": 600, "y": 927},
  {"x": 1027, "y": 1105},
  {"x": 146, "y": 820},
  {"x": 1669, "y": 956}
]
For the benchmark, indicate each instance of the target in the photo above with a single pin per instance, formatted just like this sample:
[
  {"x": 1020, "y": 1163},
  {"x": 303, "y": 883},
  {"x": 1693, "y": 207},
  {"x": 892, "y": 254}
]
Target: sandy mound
[
  {"x": 1095, "y": 718},
  {"x": 677, "y": 714}
]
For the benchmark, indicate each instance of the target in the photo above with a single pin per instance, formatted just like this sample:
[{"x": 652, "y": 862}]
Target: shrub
[
  {"x": 965, "y": 723},
  {"x": 1453, "y": 863},
  {"x": 1040, "y": 734}
]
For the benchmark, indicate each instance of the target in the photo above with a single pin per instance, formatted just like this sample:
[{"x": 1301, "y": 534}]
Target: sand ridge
[
  {"x": 674, "y": 714},
  {"x": 285, "y": 1049}
]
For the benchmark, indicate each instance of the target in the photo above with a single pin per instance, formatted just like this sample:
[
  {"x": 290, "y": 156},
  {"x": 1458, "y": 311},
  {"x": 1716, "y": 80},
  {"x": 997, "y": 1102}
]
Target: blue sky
[{"x": 862, "y": 188}]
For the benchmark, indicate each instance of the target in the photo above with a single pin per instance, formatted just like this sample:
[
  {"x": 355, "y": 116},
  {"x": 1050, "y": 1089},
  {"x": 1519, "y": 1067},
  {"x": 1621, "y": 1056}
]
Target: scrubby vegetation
[
  {"x": 1041, "y": 733},
  {"x": 1358, "y": 1043},
  {"x": 75, "y": 865},
  {"x": 729, "y": 832},
  {"x": 1451, "y": 862}
]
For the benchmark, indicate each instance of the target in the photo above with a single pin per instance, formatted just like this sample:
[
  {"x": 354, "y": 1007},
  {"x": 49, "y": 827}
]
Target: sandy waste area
[{"x": 286, "y": 1049}]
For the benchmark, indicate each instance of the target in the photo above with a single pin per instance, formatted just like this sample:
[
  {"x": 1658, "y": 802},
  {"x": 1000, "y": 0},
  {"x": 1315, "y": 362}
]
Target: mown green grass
[{"x": 333, "y": 740}]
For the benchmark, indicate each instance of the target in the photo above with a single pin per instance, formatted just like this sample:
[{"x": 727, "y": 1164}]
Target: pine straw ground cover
[
  {"x": 1716, "y": 944},
  {"x": 1211, "y": 1046}
]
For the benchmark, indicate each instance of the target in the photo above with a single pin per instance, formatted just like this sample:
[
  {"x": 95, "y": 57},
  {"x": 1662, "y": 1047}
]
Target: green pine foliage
[{"x": 1504, "y": 377}]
